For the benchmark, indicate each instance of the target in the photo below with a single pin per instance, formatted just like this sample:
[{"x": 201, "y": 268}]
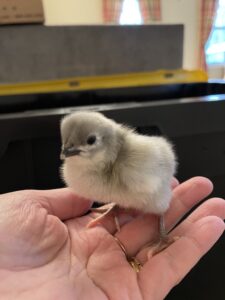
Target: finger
[
  {"x": 138, "y": 233},
  {"x": 212, "y": 207},
  {"x": 63, "y": 203},
  {"x": 185, "y": 196},
  {"x": 169, "y": 267},
  {"x": 144, "y": 229},
  {"x": 174, "y": 183}
]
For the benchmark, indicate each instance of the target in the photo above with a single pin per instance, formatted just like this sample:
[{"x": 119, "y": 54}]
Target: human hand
[{"x": 48, "y": 253}]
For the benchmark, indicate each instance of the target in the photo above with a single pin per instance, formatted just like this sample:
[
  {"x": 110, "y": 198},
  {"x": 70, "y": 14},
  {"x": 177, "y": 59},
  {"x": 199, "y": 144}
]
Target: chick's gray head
[{"x": 87, "y": 135}]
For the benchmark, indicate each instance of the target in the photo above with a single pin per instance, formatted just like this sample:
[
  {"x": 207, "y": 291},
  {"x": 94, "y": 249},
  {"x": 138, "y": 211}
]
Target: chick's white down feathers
[{"x": 121, "y": 166}]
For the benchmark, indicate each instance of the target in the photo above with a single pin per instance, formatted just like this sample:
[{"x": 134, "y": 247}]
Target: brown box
[{"x": 21, "y": 11}]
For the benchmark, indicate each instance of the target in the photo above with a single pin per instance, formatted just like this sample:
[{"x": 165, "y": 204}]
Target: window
[
  {"x": 130, "y": 13},
  {"x": 215, "y": 47}
]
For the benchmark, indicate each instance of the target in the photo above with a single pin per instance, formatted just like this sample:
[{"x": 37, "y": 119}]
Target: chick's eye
[{"x": 91, "y": 139}]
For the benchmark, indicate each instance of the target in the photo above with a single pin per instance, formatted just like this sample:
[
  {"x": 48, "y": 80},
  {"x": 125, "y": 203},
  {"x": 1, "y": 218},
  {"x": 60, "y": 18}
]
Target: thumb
[{"x": 63, "y": 203}]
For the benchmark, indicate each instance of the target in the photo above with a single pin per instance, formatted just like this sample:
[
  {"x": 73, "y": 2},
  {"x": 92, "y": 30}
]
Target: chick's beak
[{"x": 70, "y": 151}]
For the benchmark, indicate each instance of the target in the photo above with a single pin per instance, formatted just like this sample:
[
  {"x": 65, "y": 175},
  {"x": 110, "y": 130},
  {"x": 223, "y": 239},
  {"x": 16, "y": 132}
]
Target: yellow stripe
[{"x": 105, "y": 82}]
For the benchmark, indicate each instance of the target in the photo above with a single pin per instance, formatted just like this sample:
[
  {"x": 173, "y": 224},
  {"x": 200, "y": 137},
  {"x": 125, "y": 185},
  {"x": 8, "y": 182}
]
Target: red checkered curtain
[
  {"x": 150, "y": 10},
  {"x": 208, "y": 11},
  {"x": 112, "y": 10}
]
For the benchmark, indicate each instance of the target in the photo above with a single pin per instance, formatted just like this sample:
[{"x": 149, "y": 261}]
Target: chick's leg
[
  {"x": 105, "y": 210},
  {"x": 162, "y": 229},
  {"x": 164, "y": 240}
]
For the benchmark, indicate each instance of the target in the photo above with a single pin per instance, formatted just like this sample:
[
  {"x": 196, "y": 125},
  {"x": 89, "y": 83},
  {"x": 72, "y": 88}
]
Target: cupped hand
[{"x": 48, "y": 253}]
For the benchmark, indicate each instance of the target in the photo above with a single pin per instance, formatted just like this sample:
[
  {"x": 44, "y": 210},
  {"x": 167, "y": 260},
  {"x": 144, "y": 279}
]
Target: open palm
[{"x": 48, "y": 253}]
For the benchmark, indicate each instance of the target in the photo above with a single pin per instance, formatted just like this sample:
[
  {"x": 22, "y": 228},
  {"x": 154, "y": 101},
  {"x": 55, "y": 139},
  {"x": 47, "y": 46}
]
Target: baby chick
[{"x": 111, "y": 163}]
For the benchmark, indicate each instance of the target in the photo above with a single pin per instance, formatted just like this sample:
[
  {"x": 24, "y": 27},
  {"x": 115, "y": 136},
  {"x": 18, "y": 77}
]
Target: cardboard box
[{"x": 21, "y": 11}]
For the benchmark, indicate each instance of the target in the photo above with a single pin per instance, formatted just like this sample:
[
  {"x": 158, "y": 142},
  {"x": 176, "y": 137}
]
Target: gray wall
[{"x": 36, "y": 52}]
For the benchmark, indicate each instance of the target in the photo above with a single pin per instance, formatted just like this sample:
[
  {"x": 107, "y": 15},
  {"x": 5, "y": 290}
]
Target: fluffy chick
[{"x": 110, "y": 162}]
